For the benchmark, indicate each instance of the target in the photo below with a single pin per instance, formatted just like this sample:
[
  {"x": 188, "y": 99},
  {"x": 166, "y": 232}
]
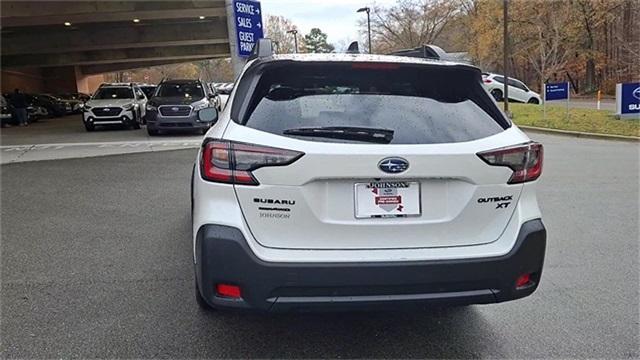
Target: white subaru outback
[
  {"x": 349, "y": 181},
  {"x": 115, "y": 104}
]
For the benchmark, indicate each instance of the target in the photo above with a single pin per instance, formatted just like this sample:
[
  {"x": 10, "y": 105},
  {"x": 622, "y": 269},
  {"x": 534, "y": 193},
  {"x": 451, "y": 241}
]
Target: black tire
[
  {"x": 533, "y": 101},
  {"x": 152, "y": 132},
  {"x": 497, "y": 94},
  {"x": 89, "y": 127},
  {"x": 202, "y": 303},
  {"x": 204, "y": 130},
  {"x": 136, "y": 121}
]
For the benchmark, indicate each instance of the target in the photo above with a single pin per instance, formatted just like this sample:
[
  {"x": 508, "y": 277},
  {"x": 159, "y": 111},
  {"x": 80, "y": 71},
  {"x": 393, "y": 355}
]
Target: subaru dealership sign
[
  {"x": 558, "y": 91},
  {"x": 248, "y": 21},
  {"x": 628, "y": 99}
]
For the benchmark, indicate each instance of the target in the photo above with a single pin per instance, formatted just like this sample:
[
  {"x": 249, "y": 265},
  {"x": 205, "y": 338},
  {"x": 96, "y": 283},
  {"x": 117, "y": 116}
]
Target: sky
[{"x": 337, "y": 18}]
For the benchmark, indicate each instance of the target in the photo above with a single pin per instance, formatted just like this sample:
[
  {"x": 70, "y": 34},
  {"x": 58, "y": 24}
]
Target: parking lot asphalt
[
  {"x": 96, "y": 262},
  {"x": 69, "y": 129}
]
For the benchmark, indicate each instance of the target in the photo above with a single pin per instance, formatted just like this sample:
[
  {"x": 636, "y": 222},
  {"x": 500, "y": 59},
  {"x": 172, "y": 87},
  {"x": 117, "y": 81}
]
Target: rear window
[
  {"x": 415, "y": 104},
  {"x": 499, "y": 79}
]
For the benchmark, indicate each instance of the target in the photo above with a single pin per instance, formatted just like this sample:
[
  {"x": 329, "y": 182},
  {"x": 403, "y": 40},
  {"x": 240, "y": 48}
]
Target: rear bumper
[{"x": 223, "y": 256}]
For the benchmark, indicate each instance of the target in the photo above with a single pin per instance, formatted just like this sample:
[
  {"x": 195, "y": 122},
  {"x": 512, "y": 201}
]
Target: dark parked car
[
  {"x": 77, "y": 100},
  {"x": 75, "y": 96},
  {"x": 55, "y": 106},
  {"x": 6, "y": 116},
  {"x": 175, "y": 106},
  {"x": 148, "y": 90},
  {"x": 34, "y": 111}
]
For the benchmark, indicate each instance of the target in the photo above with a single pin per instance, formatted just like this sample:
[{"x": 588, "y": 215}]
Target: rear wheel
[
  {"x": 533, "y": 101},
  {"x": 497, "y": 94}
]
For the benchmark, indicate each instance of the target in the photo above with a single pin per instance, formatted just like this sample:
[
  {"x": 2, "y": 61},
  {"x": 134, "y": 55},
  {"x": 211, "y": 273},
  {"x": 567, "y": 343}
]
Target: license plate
[{"x": 387, "y": 199}]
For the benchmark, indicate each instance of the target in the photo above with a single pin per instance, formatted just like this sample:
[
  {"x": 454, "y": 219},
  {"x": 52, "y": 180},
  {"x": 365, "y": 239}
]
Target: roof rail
[
  {"x": 426, "y": 51},
  {"x": 262, "y": 49}
]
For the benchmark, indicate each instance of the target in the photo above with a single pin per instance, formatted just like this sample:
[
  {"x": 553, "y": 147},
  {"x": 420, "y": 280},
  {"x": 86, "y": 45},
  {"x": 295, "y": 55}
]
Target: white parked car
[
  {"x": 363, "y": 181},
  {"x": 518, "y": 91},
  {"x": 115, "y": 104}
]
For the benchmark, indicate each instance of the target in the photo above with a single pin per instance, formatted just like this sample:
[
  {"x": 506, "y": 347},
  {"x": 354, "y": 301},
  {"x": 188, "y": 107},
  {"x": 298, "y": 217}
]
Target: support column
[
  {"x": 87, "y": 83},
  {"x": 236, "y": 61}
]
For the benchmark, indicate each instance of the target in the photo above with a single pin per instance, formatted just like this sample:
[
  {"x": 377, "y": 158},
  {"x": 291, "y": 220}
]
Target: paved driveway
[{"x": 96, "y": 262}]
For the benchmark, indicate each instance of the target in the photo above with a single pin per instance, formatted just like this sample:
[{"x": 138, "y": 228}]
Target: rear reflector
[
  {"x": 523, "y": 281},
  {"x": 525, "y": 160},
  {"x": 230, "y": 291},
  {"x": 232, "y": 162}
]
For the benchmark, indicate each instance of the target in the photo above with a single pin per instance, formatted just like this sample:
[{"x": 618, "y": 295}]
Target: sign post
[
  {"x": 544, "y": 102},
  {"x": 244, "y": 26},
  {"x": 628, "y": 100},
  {"x": 557, "y": 91}
]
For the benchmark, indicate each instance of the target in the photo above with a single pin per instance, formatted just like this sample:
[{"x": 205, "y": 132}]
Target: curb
[{"x": 579, "y": 134}]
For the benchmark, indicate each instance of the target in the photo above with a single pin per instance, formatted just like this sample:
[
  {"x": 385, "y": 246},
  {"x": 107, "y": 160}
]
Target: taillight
[
  {"x": 487, "y": 81},
  {"x": 525, "y": 160},
  {"x": 232, "y": 162}
]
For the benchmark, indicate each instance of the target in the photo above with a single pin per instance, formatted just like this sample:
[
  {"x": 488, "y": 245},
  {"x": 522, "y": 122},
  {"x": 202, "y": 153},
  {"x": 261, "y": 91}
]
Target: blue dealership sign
[
  {"x": 558, "y": 91},
  {"x": 628, "y": 99},
  {"x": 248, "y": 19}
]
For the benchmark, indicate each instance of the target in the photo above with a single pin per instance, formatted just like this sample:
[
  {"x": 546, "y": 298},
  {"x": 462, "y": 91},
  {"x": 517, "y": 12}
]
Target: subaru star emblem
[
  {"x": 175, "y": 108},
  {"x": 393, "y": 165},
  {"x": 636, "y": 93}
]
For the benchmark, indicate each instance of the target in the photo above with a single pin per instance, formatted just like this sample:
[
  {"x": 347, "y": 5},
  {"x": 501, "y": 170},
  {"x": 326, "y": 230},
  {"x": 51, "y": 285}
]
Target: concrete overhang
[{"x": 103, "y": 35}]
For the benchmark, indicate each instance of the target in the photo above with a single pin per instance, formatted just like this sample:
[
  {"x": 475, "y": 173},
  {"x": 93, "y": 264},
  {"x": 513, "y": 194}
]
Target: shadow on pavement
[{"x": 429, "y": 333}]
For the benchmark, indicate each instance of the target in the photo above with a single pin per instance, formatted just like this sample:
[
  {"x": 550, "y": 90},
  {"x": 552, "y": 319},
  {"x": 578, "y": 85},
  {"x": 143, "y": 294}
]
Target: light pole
[
  {"x": 295, "y": 39},
  {"x": 505, "y": 50},
  {"x": 367, "y": 10}
]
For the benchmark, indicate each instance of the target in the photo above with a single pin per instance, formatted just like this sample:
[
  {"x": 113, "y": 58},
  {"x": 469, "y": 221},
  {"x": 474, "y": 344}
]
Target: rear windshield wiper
[{"x": 381, "y": 136}]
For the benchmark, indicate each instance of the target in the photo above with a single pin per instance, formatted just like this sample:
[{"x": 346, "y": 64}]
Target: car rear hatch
[{"x": 415, "y": 181}]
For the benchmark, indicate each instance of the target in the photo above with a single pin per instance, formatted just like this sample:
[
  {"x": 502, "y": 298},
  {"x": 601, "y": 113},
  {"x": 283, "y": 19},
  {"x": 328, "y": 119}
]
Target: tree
[
  {"x": 276, "y": 28},
  {"x": 316, "y": 42},
  {"x": 216, "y": 70},
  {"x": 409, "y": 23},
  {"x": 545, "y": 40}
]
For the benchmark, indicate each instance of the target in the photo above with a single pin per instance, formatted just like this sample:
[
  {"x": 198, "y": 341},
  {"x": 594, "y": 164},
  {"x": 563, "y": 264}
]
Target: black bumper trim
[{"x": 223, "y": 256}]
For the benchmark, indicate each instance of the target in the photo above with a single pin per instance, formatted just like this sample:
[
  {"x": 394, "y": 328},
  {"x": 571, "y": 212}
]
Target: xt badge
[
  {"x": 502, "y": 205},
  {"x": 502, "y": 202}
]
